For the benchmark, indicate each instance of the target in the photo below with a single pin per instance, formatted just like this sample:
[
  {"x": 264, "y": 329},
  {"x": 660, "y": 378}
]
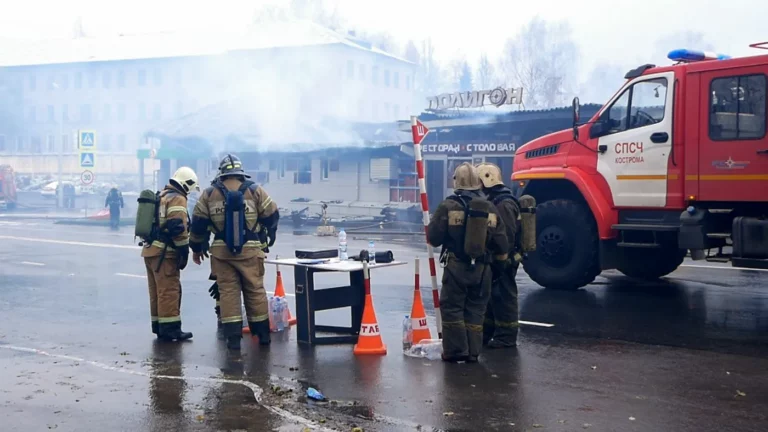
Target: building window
[
  {"x": 361, "y": 72},
  {"x": 324, "y": 169},
  {"x": 121, "y": 78},
  {"x": 85, "y": 113},
  {"x": 107, "y": 113},
  {"x": 78, "y": 80},
  {"x": 51, "y": 114},
  {"x": 157, "y": 77},
  {"x": 65, "y": 113},
  {"x": 737, "y": 108},
  {"x": 303, "y": 174},
  {"x": 20, "y": 144},
  {"x": 281, "y": 168},
  {"x": 64, "y": 83},
  {"x": 407, "y": 82},
  {"x": 262, "y": 177},
  {"x": 375, "y": 75},
  {"x": 65, "y": 144},
  {"x": 51, "y": 147},
  {"x": 32, "y": 114},
  {"x": 121, "y": 112},
  {"x": 142, "y": 111},
  {"x": 2, "y": 143},
  {"x": 157, "y": 112},
  {"x": 105, "y": 142},
  {"x": 273, "y": 164},
  {"x": 386, "y": 77},
  {"x": 36, "y": 145},
  {"x": 350, "y": 69},
  {"x": 121, "y": 142},
  {"x": 334, "y": 165},
  {"x": 106, "y": 79},
  {"x": 142, "y": 77},
  {"x": 32, "y": 83},
  {"x": 396, "y": 80}
]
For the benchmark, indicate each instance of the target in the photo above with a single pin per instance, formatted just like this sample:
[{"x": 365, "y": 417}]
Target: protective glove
[
  {"x": 272, "y": 234},
  {"x": 182, "y": 257},
  {"x": 204, "y": 249},
  {"x": 214, "y": 291}
]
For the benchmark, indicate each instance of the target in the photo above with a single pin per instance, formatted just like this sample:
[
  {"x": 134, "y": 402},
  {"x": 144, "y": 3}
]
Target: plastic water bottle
[
  {"x": 407, "y": 334},
  {"x": 286, "y": 313},
  {"x": 430, "y": 349},
  {"x": 343, "y": 245},
  {"x": 371, "y": 252},
  {"x": 279, "y": 313}
]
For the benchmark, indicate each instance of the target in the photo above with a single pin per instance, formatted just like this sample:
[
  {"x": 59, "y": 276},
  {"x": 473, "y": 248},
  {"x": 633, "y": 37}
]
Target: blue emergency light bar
[{"x": 686, "y": 55}]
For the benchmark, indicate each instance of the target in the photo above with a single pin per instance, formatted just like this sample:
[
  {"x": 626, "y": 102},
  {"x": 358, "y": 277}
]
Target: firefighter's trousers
[
  {"x": 463, "y": 300},
  {"x": 242, "y": 273},
  {"x": 164, "y": 293},
  {"x": 501, "y": 317}
]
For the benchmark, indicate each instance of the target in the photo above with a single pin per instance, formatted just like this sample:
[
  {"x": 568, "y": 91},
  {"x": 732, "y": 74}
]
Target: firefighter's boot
[
  {"x": 234, "y": 334},
  {"x": 155, "y": 328},
  {"x": 260, "y": 329},
  {"x": 172, "y": 332}
]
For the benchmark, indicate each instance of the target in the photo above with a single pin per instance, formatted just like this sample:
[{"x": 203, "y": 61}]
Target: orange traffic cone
[
  {"x": 280, "y": 292},
  {"x": 369, "y": 341},
  {"x": 418, "y": 316}
]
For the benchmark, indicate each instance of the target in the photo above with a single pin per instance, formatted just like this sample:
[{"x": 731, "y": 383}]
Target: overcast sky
[{"x": 619, "y": 32}]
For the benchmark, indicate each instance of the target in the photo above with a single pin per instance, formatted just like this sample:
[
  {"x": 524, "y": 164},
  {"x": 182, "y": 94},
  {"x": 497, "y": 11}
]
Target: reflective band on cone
[
  {"x": 418, "y": 316},
  {"x": 369, "y": 341}
]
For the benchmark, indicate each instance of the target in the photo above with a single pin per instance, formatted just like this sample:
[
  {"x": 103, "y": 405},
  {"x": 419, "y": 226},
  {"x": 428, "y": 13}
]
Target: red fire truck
[
  {"x": 7, "y": 188},
  {"x": 676, "y": 161}
]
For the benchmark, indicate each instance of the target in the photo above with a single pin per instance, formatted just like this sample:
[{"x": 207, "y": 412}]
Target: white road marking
[
  {"x": 537, "y": 324},
  {"x": 71, "y": 243},
  {"x": 131, "y": 275},
  {"x": 722, "y": 267},
  {"x": 32, "y": 263},
  {"x": 257, "y": 391}
]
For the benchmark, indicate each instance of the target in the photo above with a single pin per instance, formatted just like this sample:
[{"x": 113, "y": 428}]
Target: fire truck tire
[
  {"x": 567, "y": 246},
  {"x": 650, "y": 264}
]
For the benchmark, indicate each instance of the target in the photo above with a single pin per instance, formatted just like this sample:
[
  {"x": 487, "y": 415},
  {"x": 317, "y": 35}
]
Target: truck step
[
  {"x": 645, "y": 227},
  {"x": 754, "y": 263},
  {"x": 719, "y": 235},
  {"x": 638, "y": 245},
  {"x": 718, "y": 259}
]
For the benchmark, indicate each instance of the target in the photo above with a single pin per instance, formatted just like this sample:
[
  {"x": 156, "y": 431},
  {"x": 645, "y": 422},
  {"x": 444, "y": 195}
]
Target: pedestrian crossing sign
[
  {"x": 87, "y": 160},
  {"x": 87, "y": 139}
]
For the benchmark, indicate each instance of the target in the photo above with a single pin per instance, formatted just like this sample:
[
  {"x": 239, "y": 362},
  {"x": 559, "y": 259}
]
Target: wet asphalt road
[{"x": 689, "y": 353}]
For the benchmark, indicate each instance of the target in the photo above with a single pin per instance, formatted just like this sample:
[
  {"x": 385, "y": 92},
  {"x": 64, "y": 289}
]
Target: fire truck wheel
[
  {"x": 650, "y": 264},
  {"x": 567, "y": 246}
]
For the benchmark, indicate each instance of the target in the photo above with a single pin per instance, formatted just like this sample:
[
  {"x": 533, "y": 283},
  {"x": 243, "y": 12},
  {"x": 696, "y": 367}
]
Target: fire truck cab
[{"x": 676, "y": 161}]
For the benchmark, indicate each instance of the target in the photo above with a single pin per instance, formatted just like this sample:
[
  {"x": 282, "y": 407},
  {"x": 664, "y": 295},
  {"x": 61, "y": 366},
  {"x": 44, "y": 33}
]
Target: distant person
[
  {"x": 69, "y": 195},
  {"x": 115, "y": 202}
]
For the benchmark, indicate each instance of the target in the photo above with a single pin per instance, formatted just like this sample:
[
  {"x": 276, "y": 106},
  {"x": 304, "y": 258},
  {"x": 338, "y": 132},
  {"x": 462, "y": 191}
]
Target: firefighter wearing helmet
[
  {"x": 501, "y": 317},
  {"x": 166, "y": 253},
  {"x": 468, "y": 228},
  {"x": 243, "y": 219}
]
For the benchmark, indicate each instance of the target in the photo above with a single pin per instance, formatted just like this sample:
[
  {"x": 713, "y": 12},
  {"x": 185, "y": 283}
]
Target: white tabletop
[{"x": 330, "y": 264}]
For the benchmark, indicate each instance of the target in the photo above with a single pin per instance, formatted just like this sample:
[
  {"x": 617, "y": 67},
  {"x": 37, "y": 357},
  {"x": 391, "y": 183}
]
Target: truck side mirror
[
  {"x": 597, "y": 129},
  {"x": 576, "y": 116}
]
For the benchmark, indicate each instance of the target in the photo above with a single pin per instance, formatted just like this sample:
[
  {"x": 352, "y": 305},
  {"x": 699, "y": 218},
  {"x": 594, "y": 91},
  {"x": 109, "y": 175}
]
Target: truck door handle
[
  {"x": 660, "y": 137},
  {"x": 763, "y": 151}
]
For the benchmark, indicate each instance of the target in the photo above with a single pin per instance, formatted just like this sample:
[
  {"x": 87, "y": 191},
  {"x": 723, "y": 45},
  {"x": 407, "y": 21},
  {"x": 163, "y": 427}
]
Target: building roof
[
  {"x": 233, "y": 125},
  {"x": 480, "y": 117},
  {"x": 274, "y": 34}
]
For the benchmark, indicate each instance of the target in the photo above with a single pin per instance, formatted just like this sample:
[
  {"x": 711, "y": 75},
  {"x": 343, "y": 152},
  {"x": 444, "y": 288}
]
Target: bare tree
[
  {"x": 603, "y": 81},
  {"x": 430, "y": 71},
  {"x": 542, "y": 59},
  {"x": 484, "y": 74},
  {"x": 465, "y": 79}
]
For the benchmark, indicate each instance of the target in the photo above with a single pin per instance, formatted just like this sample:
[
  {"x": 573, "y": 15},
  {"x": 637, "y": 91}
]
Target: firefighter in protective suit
[
  {"x": 167, "y": 254},
  {"x": 237, "y": 266},
  {"x": 501, "y": 318},
  {"x": 472, "y": 236}
]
